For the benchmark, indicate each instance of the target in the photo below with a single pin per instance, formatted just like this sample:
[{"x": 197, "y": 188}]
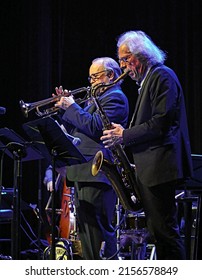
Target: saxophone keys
[{"x": 133, "y": 198}]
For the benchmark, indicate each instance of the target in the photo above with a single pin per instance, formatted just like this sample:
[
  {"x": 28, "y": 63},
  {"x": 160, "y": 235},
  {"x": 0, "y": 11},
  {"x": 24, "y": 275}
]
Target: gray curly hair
[{"x": 141, "y": 45}]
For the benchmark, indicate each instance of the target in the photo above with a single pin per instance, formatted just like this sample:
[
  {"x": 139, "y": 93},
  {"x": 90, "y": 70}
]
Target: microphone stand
[
  {"x": 53, "y": 225},
  {"x": 18, "y": 153}
]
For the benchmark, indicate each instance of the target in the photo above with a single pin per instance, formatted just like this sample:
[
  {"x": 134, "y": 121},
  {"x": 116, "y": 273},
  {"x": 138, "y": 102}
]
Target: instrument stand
[
  {"x": 118, "y": 221},
  {"x": 39, "y": 209}
]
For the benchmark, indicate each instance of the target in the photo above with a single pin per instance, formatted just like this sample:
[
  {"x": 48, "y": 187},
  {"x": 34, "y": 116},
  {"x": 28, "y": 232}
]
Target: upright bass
[{"x": 65, "y": 226}]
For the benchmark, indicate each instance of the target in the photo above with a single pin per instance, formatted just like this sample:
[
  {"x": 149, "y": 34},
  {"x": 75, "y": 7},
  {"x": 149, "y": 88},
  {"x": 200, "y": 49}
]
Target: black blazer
[
  {"x": 87, "y": 125},
  {"x": 158, "y": 136}
]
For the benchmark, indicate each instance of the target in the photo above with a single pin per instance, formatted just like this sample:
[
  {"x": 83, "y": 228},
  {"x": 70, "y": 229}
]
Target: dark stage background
[{"x": 47, "y": 43}]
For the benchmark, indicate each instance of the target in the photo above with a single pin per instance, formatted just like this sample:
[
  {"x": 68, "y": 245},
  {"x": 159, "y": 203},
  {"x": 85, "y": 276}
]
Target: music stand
[
  {"x": 19, "y": 150},
  {"x": 47, "y": 132}
]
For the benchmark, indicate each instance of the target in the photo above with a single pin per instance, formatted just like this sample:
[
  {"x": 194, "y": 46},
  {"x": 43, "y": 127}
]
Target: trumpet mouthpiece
[{"x": 24, "y": 108}]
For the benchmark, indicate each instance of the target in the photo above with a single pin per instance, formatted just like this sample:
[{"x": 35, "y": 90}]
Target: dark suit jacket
[
  {"x": 158, "y": 136},
  {"x": 87, "y": 125}
]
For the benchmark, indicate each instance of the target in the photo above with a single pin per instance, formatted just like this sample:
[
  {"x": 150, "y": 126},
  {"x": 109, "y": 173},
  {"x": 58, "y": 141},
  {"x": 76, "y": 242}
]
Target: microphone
[
  {"x": 2, "y": 110},
  {"x": 75, "y": 140}
]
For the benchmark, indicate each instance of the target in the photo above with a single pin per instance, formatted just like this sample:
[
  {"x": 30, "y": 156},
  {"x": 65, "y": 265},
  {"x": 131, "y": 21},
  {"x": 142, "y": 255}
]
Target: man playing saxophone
[
  {"x": 95, "y": 198},
  {"x": 157, "y": 137}
]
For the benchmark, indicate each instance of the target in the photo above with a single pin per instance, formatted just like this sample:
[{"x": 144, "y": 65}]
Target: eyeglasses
[
  {"x": 96, "y": 76},
  {"x": 125, "y": 59}
]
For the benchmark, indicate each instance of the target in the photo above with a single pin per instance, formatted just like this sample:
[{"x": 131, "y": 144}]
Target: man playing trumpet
[{"x": 95, "y": 198}]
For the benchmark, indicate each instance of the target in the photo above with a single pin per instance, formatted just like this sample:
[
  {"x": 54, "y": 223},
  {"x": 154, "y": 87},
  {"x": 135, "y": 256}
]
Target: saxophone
[{"x": 121, "y": 173}]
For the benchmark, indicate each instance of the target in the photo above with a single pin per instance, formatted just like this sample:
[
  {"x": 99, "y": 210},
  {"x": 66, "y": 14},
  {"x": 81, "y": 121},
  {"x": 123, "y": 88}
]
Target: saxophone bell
[
  {"x": 97, "y": 163},
  {"x": 127, "y": 196}
]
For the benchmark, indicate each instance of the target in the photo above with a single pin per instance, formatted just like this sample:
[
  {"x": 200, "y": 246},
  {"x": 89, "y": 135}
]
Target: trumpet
[{"x": 27, "y": 107}]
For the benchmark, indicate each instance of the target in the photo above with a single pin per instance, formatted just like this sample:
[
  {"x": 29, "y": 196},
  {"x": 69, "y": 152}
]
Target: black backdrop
[{"x": 47, "y": 43}]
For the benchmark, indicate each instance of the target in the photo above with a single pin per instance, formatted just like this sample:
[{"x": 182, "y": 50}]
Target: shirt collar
[{"x": 141, "y": 83}]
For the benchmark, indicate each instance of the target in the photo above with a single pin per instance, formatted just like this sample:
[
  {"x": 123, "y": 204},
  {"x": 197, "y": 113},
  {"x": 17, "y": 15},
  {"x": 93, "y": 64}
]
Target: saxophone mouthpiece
[
  {"x": 125, "y": 73},
  {"x": 122, "y": 76}
]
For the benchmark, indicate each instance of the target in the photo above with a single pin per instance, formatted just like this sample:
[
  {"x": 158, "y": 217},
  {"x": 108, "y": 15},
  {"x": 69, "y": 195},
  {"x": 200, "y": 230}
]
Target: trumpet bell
[
  {"x": 27, "y": 107},
  {"x": 97, "y": 163}
]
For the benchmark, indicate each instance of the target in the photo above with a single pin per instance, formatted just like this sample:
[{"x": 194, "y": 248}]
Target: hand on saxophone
[{"x": 112, "y": 136}]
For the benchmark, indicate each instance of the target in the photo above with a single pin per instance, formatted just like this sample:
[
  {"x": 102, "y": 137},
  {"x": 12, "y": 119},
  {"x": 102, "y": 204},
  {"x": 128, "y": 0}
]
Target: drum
[
  {"x": 134, "y": 221},
  {"x": 133, "y": 236}
]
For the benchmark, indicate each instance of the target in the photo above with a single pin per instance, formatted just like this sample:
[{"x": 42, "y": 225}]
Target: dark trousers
[
  {"x": 95, "y": 209},
  {"x": 161, "y": 218}
]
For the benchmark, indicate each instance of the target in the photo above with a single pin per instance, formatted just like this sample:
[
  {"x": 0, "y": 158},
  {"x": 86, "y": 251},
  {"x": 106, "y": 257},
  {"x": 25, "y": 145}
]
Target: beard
[{"x": 137, "y": 73}]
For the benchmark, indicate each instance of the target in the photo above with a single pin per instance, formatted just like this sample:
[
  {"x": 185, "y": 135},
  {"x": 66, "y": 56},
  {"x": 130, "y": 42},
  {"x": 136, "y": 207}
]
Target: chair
[
  {"x": 6, "y": 216},
  {"x": 188, "y": 210}
]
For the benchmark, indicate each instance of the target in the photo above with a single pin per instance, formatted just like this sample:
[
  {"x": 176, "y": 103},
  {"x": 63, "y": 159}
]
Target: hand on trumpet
[
  {"x": 112, "y": 136},
  {"x": 66, "y": 99}
]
